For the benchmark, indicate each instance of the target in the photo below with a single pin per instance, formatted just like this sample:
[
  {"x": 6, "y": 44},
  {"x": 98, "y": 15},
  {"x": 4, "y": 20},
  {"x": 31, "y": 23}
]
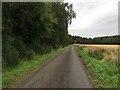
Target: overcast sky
[{"x": 94, "y": 18}]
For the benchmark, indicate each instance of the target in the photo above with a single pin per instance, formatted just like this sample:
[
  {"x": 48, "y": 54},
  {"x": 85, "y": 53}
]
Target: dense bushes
[
  {"x": 33, "y": 28},
  {"x": 10, "y": 54}
]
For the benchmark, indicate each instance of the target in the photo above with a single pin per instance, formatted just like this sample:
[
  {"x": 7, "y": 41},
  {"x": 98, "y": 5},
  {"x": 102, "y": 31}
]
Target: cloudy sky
[{"x": 94, "y": 18}]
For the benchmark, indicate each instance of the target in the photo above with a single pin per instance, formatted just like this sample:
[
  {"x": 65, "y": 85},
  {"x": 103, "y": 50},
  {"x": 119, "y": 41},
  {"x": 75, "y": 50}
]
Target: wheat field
[{"x": 108, "y": 52}]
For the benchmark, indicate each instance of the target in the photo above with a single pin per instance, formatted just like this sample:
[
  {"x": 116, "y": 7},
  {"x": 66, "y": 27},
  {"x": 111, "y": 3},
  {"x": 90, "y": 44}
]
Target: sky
[{"x": 95, "y": 18}]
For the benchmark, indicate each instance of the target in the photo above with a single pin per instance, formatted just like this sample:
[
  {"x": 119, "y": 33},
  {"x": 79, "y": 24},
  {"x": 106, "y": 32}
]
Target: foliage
[
  {"x": 101, "y": 73},
  {"x": 10, "y": 54},
  {"x": 34, "y": 28},
  {"x": 97, "y": 40},
  {"x": 13, "y": 74},
  {"x": 97, "y": 54}
]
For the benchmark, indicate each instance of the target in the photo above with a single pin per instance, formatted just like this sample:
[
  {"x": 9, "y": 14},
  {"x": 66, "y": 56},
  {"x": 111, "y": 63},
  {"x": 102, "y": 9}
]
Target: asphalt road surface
[{"x": 64, "y": 71}]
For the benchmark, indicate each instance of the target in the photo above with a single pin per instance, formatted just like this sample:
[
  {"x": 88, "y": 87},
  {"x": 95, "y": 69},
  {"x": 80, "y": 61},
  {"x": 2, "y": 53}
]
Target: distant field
[
  {"x": 101, "y": 62},
  {"x": 102, "y": 52}
]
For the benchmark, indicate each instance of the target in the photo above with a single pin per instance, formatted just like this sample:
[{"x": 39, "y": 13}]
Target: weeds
[
  {"x": 12, "y": 75},
  {"x": 103, "y": 74}
]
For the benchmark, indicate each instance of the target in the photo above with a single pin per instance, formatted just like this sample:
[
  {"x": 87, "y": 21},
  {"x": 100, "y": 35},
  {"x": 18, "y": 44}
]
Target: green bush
[
  {"x": 97, "y": 54},
  {"x": 29, "y": 54},
  {"x": 21, "y": 48},
  {"x": 42, "y": 48},
  {"x": 10, "y": 55}
]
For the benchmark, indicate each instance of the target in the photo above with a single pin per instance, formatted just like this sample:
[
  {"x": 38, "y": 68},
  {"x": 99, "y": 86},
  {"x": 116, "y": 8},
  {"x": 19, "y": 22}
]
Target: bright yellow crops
[{"x": 110, "y": 52}]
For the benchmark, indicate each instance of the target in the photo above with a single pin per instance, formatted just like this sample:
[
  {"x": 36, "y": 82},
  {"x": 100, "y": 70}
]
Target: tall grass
[
  {"x": 103, "y": 73},
  {"x": 12, "y": 75}
]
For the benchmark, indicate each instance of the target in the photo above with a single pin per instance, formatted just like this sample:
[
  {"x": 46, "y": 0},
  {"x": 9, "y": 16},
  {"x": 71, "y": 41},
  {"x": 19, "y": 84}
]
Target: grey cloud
[{"x": 102, "y": 26}]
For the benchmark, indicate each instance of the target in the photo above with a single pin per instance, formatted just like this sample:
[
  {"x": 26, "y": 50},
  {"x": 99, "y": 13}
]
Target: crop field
[
  {"x": 103, "y": 52},
  {"x": 101, "y": 62}
]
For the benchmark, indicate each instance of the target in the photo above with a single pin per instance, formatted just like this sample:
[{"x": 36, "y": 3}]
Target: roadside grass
[
  {"x": 12, "y": 75},
  {"x": 102, "y": 74}
]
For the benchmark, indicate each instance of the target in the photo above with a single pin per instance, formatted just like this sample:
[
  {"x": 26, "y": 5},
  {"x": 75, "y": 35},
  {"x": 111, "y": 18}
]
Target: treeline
[
  {"x": 31, "y": 28},
  {"x": 97, "y": 40}
]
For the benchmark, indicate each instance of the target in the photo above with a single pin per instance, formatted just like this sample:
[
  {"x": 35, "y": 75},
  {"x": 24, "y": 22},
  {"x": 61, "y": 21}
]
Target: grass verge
[
  {"x": 103, "y": 74},
  {"x": 12, "y": 75}
]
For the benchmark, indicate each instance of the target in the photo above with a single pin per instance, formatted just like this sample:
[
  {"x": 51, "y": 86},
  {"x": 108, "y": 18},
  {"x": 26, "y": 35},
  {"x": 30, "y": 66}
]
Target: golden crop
[{"x": 109, "y": 52}]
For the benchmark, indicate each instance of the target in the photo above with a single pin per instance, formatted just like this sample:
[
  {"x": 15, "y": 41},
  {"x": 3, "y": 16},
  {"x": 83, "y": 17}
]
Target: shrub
[
  {"x": 41, "y": 48},
  {"x": 21, "y": 48},
  {"x": 29, "y": 54},
  {"x": 97, "y": 54},
  {"x": 9, "y": 53}
]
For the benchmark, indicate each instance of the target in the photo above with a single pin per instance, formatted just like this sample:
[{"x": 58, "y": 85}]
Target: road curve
[{"x": 64, "y": 71}]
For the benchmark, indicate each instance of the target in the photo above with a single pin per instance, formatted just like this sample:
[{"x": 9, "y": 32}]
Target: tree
[{"x": 34, "y": 28}]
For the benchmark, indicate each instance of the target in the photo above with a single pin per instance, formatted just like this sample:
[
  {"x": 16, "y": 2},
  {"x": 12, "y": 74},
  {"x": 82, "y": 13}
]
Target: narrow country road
[{"x": 64, "y": 71}]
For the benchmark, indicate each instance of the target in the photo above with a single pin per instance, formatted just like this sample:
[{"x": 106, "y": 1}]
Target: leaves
[{"x": 37, "y": 27}]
